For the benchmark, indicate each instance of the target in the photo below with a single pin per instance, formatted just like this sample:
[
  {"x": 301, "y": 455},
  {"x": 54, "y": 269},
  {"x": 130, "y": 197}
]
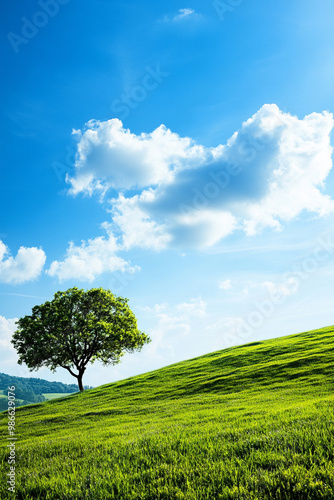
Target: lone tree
[{"x": 76, "y": 328}]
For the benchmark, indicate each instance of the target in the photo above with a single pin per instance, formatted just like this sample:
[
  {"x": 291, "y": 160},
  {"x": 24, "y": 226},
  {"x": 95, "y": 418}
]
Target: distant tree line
[
  {"x": 37, "y": 385},
  {"x": 31, "y": 390},
  {"x": 21, "y": 402}
]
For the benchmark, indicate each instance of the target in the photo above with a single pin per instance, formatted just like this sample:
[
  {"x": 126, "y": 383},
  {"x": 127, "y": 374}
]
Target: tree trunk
[{"x": 80, "y": 381}]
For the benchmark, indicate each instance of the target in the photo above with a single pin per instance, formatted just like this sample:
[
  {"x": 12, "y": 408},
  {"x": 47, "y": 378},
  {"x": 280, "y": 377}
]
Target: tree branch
[{"x": 69, "y": 369}]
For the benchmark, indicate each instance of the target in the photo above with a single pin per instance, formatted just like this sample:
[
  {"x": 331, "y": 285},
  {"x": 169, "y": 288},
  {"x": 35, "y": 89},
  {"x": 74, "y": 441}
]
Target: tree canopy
[{"x": 75, "y": 328}]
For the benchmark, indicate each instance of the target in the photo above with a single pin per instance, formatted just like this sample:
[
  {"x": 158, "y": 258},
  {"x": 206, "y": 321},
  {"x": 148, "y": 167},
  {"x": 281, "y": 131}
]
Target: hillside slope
[{"x": 252, "y": 422}]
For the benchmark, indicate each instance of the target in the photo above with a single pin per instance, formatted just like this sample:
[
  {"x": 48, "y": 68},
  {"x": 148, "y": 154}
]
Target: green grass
[
  {"x": 249, "y": 422},
  {"x": 55, "y": 395}
]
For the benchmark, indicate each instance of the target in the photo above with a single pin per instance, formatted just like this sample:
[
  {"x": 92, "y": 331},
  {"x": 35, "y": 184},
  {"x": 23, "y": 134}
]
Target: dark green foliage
[
  {"x": 76, "y": 328},
  {"x": 22, "y": 392},
  {"x": 37, "y": 385},
  {"x": 3, "y": 404},
  {"x": 253, "y": 422},
  {"x": 30, "y": 390}
]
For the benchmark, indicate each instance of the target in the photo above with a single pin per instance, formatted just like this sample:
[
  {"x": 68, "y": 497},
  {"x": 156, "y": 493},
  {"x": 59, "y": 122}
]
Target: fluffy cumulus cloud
[
  {"x": 270, "y": 171},
  {"x": 90, "y": 259},
  {"x": 110, "y": 156},
  {"x": 137, "y": 227},
  {"x": 27, "y": 265}
]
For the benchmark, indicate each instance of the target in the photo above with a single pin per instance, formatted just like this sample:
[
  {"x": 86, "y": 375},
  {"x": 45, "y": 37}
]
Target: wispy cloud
[
  {"x": 22, "y": 295},
  {"x": 181, "y": 15},
  {"x": 225, "y": 285},
  {"x": 254, "y": 288},
  {"x": 172, "y": 325}
]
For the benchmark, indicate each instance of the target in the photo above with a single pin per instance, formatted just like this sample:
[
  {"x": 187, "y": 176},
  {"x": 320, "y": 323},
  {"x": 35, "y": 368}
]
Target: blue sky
[{"x": 185, "y": 149}]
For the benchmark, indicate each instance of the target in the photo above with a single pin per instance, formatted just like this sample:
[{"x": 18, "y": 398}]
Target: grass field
[{"x": 249, "y": 422}]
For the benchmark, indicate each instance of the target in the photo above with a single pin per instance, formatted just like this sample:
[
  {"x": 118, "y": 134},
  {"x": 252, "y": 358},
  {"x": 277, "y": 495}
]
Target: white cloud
[
  {"x": 299, "y": 169},
  {"x": 138, "y": 229},
  {"x": 182, "y": 13},
  {"x": 225, "y": 285},
  {"x": 110, "y": 156},
  {"x": 90, "y": 260},
  {"x": 270, "y": 171},
  {"x": 195, "y": 308},
  {"x": 26, "y": 266},
  {"x": 284, "y": 288},
  {"x": 203, "y": 228},
  {"x": 181, "y": 16}
]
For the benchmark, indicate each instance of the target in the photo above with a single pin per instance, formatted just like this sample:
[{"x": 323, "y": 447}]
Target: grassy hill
[{"x": 249, "y": 422}]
